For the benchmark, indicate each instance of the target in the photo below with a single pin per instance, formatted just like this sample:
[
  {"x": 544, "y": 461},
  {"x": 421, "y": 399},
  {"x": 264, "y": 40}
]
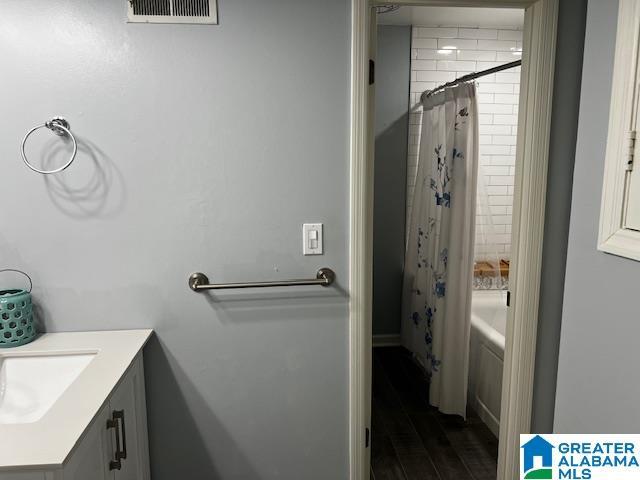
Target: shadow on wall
[
  {"x": 177, "y": 446},
  {"x": 91, "y": 187},
  {"x": 239, "y": 307},
  {"x": 389, "y": 226},
  {"x": 188, "y": 438},
  {"x": 148, "y": 306}
]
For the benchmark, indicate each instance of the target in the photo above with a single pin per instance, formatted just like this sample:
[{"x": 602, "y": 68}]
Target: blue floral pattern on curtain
[{"x": 439, "y": 260}]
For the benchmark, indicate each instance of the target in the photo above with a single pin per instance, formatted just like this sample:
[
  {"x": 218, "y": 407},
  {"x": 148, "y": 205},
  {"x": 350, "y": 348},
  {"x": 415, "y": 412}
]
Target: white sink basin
[{"x": 31, "y": 384}]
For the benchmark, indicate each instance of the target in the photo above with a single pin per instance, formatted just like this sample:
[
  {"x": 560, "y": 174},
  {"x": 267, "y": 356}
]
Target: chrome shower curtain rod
[{"x": 471, "y": 76}]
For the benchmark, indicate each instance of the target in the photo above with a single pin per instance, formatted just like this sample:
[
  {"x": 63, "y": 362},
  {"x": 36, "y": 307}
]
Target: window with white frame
[{"x": 620, "y": 211}]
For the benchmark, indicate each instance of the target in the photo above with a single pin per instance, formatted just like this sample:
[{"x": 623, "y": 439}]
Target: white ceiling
[{"x": 454, "y": 17}]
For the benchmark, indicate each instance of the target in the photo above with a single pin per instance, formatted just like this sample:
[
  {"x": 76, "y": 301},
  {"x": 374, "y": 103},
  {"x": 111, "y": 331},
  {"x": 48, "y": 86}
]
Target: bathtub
[{"x": 486, "y": 354}]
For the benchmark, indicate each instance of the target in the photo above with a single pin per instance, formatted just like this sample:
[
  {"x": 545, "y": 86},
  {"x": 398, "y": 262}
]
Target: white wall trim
[
  {"x": 612, "y": 236},
  {"x": 528, "y": 227},
  {"x": 392, "y": 340},
  {"x": 532, "y": 159},
  {"x": 360, "y": 243}
]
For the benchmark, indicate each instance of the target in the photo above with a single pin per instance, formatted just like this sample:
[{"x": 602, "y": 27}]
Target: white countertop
[{"x": 47, "y": 443}]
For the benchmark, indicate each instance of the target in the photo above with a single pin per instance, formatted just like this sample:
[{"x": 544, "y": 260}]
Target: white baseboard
[{"x": 392, "y": 340}]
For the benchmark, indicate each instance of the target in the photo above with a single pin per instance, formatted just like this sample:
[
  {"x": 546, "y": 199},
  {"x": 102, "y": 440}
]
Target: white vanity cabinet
[{"x": 115, "y": 444}]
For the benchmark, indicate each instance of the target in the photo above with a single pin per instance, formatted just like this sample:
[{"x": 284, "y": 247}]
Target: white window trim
[
  {"x": 613, "y": 237},
  {"x": 534, "y": 122}
]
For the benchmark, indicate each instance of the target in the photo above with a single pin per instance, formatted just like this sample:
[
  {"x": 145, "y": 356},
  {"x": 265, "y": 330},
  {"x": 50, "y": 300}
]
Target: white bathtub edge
[{"x": 489, "y": 336}]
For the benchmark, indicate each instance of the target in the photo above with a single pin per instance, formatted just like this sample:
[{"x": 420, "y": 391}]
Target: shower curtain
[{"x": 438, "y": 271}]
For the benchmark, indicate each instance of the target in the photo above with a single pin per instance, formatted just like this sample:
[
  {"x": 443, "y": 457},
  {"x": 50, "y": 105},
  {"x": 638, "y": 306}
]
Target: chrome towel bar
[{"x": 199, "y": 282}]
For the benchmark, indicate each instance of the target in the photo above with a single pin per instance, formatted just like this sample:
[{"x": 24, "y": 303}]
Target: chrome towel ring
[{"x": 60, "y": 127}]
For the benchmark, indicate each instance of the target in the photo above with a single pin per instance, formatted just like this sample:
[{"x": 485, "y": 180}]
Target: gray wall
[
  {"x": 562, "y": 148},
  {"x": 598, "y": 387},
  {"x": 202, "y": 148},
  {"x": 392, "y": 123}
]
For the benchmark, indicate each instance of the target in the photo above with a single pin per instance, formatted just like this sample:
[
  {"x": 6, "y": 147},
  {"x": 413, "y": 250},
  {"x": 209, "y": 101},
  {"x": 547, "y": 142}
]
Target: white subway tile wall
[{"x": 440, "y": 55}]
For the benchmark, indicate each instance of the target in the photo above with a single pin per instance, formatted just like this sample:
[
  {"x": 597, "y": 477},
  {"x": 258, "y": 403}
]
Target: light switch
[{"x": 312, "y": 239}]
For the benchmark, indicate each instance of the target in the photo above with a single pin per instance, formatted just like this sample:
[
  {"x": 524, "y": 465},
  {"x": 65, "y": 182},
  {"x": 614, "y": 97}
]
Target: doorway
[
  {"x": 529, "y": 187},
  {"x": 419, "y": 49}
]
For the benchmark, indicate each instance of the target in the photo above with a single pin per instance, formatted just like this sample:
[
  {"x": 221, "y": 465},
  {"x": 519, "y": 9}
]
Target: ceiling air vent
[{"x": 173, "y": 11}]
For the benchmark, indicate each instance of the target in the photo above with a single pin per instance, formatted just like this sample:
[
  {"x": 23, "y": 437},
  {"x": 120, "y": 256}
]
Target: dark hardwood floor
[{"x": 410, "y": 440}]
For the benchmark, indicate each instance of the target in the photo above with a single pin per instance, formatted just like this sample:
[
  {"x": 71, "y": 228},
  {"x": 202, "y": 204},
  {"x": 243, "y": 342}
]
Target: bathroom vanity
[{"x": 72, "y": 407}]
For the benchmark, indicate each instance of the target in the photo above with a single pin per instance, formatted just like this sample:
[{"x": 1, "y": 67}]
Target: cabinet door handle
[
  {"x": 117, "y": 422},
  {"x": 115, "y": 464},
  {"x": 119, "y": 415}
]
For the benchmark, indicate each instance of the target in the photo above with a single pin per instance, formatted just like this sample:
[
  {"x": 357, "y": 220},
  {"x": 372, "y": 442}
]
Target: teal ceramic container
[{"x": 17, "y": 326}]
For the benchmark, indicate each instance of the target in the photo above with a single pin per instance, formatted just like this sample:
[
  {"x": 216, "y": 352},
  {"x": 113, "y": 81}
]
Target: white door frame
[{"x": 532, "y": 156}]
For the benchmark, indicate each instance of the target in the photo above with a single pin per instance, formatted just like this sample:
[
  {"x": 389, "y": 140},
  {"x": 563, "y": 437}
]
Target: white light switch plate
[{"x": 312, "y": 242}]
